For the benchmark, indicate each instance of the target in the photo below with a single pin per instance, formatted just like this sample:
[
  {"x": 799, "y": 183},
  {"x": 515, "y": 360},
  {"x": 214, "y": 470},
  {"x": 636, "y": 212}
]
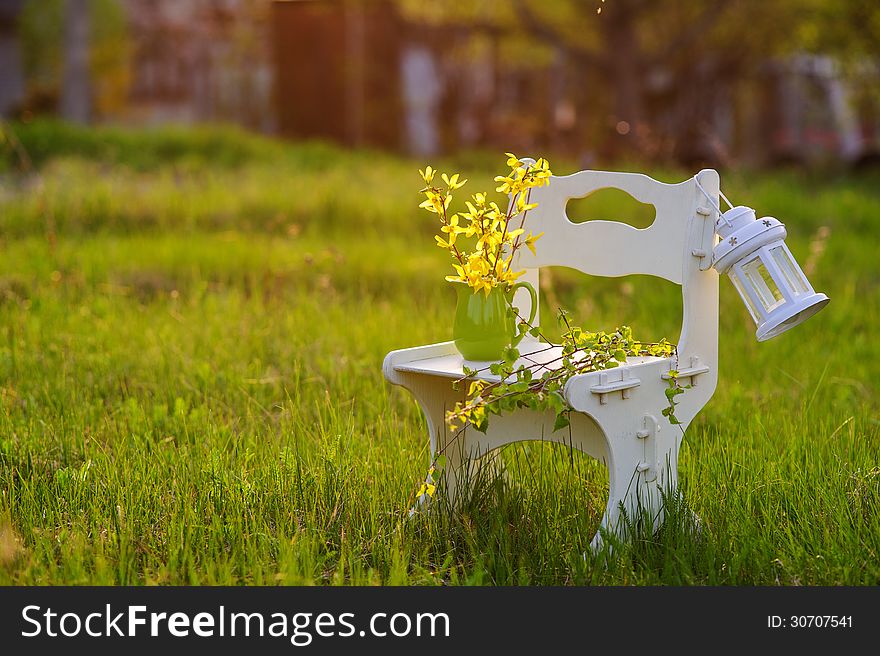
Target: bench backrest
[{"x": 677, "y": 246}]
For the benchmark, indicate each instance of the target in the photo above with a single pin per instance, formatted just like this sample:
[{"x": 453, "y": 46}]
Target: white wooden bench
[{"x": 618, "y": 412}]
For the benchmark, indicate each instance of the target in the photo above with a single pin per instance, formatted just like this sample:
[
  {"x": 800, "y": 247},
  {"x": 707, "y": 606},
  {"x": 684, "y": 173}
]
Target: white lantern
[{"x": 753, "y": 253}]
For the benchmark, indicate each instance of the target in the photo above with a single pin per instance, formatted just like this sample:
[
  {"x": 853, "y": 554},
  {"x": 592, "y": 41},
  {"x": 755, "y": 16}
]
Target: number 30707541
[{"x": 810, "y": 622}]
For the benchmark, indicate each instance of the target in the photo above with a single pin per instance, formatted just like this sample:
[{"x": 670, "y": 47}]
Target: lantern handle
[{"x": 712, "y": 200}]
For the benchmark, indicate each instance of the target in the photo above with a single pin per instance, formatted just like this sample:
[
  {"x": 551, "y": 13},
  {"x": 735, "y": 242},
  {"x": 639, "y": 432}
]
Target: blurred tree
[
  {"x": 653, "y": 58},
  {"x": 11, "y": 68},
  {"x": 47, "y": 35},
  {"x": 849, "y": 30},
  {"x": 110, "y": 51},
  {"x": 75, "y": 102}
]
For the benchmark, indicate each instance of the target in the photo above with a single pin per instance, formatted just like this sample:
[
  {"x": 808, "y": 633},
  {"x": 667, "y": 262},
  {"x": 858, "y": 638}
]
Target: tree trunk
[
  {"x": 12, "y": 87},
  {"x": 624, "y": 74},
  {"x": 75, "y": 92}
]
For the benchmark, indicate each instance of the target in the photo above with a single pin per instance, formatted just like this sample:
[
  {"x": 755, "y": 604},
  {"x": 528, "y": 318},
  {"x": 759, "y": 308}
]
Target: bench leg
[
  {"x": 642, "y": 469},
  {"x": 435, "y": 397}
]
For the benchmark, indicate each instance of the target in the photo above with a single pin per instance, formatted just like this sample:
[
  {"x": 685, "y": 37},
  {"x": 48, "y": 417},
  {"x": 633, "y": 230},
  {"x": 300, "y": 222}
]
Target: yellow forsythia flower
[{"x": 497, "y": 240}]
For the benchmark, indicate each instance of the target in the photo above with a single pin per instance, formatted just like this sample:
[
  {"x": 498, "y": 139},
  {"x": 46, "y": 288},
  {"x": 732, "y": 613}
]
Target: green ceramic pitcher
[{"x": 482, "y": 328}]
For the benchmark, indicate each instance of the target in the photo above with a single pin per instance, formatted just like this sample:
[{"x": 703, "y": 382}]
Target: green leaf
[
  {"x": 556, "y": 401},
  {"x": 561, "y": 421},
  {"x": 511, "y": 355}
]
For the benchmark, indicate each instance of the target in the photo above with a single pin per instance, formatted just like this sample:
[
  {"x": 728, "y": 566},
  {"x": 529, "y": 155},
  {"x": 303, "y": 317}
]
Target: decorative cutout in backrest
[
  {"x": 611, "y": 248},
  {"x": 610, "y": 204}
]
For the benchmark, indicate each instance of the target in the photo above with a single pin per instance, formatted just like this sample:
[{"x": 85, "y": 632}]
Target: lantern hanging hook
[{"x": 713, "y": 201}]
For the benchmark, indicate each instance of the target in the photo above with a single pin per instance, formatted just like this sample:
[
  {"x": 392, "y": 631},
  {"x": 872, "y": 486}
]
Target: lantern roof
[{"x": 742, "y": 233}]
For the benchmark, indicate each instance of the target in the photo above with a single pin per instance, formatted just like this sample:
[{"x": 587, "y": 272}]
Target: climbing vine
[{"x": 539, "y": 383}]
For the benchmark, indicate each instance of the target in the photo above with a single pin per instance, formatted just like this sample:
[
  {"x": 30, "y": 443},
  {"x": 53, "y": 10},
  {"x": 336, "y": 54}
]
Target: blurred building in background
[
  {"x": 691, "y": 83},
  {"x": 200, "y": 60},
  {"x": 813, "y": 112},
  {"x": 142, "y": 61}
]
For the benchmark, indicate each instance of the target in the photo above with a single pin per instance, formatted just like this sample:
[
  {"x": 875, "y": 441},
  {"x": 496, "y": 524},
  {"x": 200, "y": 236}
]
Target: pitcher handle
[{"x": 532, "y": 311}]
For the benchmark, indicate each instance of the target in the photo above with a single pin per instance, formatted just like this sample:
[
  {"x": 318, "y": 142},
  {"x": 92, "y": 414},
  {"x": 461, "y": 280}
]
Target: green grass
[{"x": 191, "y": 336}]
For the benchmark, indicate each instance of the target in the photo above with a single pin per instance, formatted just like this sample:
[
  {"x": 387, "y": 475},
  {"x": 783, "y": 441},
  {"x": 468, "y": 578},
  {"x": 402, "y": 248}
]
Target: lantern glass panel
[
  {"x": 734, "y": 278},
  {"x": 790, "y": 271},
  {"x": 762, "y": 282}
]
